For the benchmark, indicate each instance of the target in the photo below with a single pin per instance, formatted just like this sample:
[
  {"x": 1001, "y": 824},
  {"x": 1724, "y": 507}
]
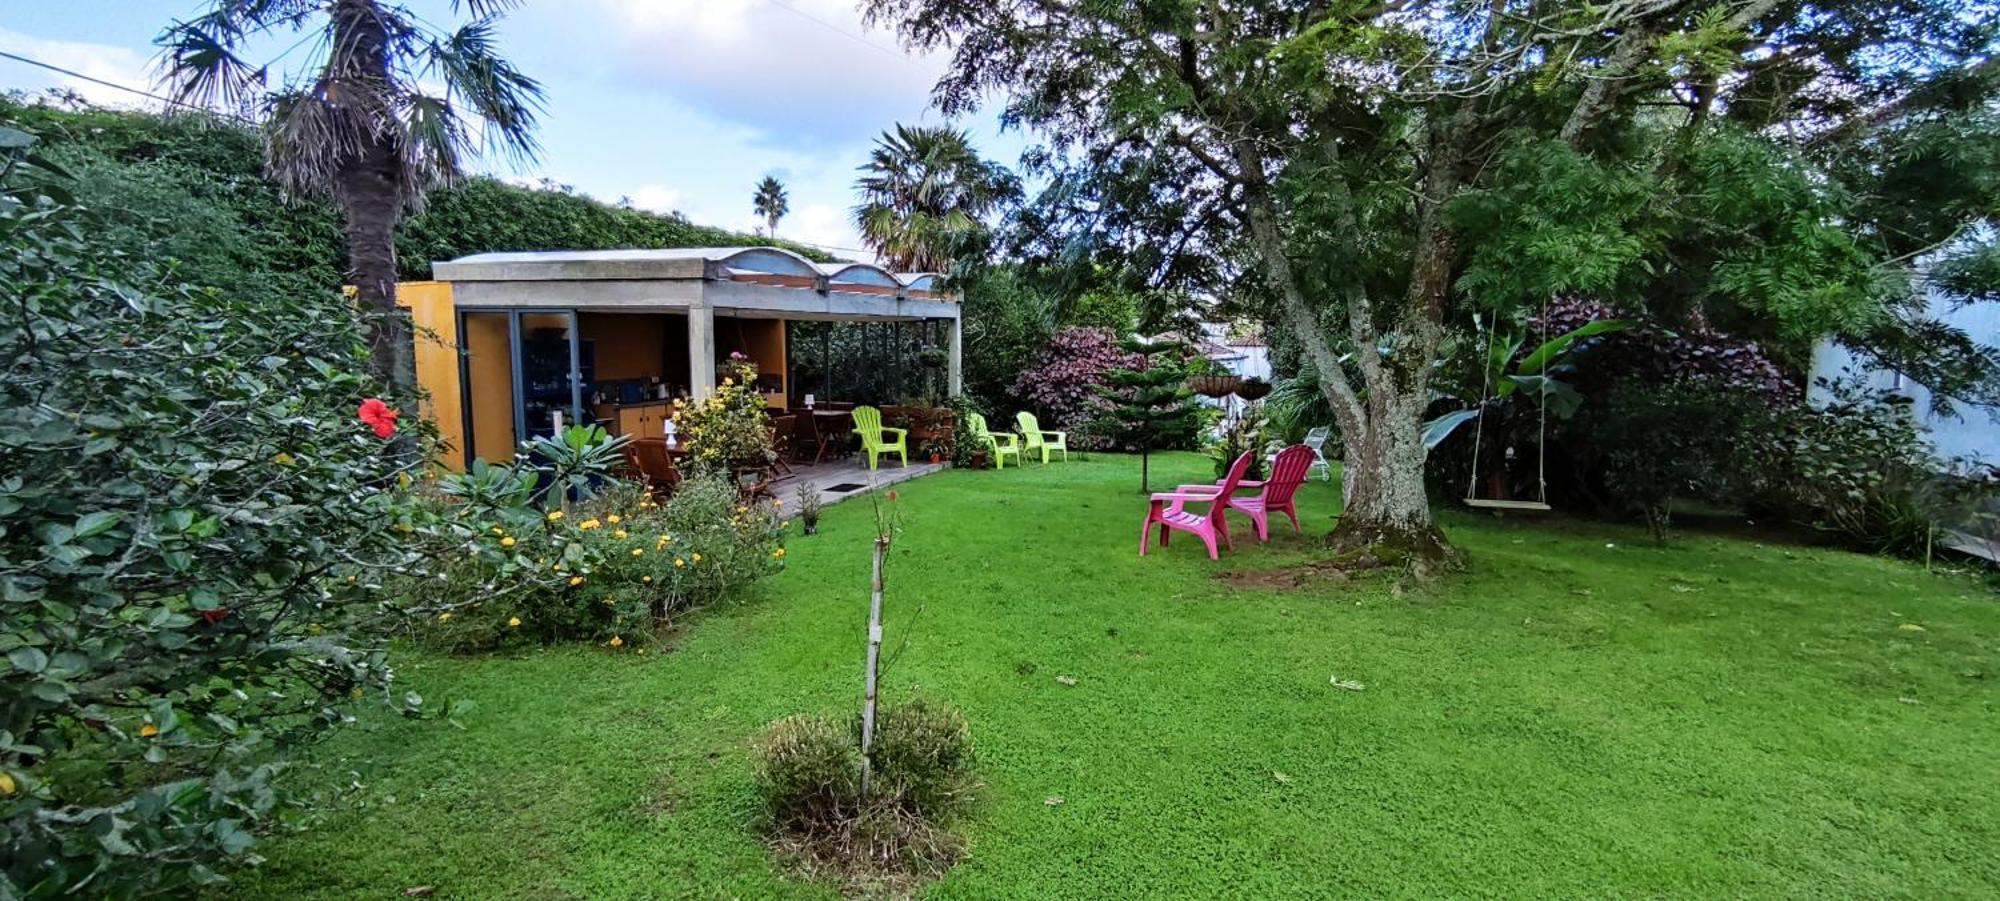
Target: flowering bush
[
  {"x": 1066, "y": 384},
  {"x": 193, "y": 515},
  {"x": 610, "y": 569},
  {"x": 730, "y": 427}
]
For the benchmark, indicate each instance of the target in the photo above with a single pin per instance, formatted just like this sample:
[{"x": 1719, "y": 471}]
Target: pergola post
[
  {"x": 701, "y": 351},
  {"x": 954, "y": 373}
]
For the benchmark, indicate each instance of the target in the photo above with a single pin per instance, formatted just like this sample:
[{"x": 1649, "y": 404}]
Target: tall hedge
[{"x": 135, "y": 165}]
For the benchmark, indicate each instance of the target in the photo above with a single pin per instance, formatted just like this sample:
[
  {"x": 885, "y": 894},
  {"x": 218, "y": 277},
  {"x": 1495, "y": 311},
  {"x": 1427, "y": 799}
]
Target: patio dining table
[{"x": 830, "y": 429}]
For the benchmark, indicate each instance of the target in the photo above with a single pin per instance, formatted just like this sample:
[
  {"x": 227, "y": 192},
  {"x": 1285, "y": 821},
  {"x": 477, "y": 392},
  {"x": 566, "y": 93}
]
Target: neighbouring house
[
  {"x": 1957, "y": 432},
  {"x": 511, "y": 343},
  {"x": 1244, "y": 355}
]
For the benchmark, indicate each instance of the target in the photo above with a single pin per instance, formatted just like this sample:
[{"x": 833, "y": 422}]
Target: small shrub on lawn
[
  {"x": 610, "y": 569},
  {"x": 809, "y": 777}
]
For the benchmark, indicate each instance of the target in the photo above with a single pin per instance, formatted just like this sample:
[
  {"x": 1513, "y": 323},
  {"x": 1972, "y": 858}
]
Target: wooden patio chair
[
  {"x": 1169, "y": 510},
  {"x": 781, "y": 430},
  {"x": 1275, "y": 494},
  {"x": 654, "y": 465}
]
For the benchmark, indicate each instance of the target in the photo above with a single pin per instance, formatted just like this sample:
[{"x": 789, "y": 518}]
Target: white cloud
[
  {"x": 657, "y": 198},
  {"x": 823, "y": 224},
  {"x": 801, "y": 72},
  {"x": 118, "y": 65}
]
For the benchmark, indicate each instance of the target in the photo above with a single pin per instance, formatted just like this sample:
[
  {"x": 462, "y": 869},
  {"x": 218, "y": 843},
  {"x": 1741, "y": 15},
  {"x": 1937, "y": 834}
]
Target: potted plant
[
  {"x": 933, "y": 357},
  {"x": 934, "y": 449}
]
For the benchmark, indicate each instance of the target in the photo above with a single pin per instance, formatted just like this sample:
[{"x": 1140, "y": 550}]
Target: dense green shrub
[
  {"x": 610, "y": 568},
  {"x": 193, "y": 521},
  {"x": 1858, "y": 467},
  {"x": 808, "y": 770},
  {"x": 1688, "y": 441}
]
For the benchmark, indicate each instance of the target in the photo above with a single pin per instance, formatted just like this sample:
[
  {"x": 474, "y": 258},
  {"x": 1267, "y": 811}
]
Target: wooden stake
[{"x": 874, "y": 657}]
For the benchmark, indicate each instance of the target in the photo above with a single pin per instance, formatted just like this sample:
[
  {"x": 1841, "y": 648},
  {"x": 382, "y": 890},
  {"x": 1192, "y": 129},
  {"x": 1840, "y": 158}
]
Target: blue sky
[{"x": 677, "y": 104}]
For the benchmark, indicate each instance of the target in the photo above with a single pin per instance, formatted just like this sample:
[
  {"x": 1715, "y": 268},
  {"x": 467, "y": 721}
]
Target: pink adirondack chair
[
  {"x": 1168, "y": 508},
  {"x": 1289, "y": 470}
]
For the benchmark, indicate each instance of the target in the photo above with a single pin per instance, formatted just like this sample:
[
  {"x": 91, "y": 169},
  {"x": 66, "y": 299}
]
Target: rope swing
[{"x": 1541, "y": 501}]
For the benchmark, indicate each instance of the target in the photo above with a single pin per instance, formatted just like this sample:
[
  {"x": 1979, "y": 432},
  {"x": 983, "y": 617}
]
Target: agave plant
[{"x": 575, "y": 463}]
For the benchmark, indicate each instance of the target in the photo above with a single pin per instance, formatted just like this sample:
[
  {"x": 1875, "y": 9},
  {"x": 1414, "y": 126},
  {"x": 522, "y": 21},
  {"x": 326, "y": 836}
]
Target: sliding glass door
[{"x": 521, "y": 373}]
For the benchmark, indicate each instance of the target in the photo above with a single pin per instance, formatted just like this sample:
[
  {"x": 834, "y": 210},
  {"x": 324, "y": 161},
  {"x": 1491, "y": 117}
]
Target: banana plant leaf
[
  {"x": 1558, "y": 397},
  {"x": 1559, "y": 345},
  {"x": 1437, "y": 430}
]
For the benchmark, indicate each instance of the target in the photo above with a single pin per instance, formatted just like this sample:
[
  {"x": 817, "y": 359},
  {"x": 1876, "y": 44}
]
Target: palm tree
[
  {"x": 384, "y": 107},
  {"x": 771, "y": 203},
  {"x": 924, "y": 196}
]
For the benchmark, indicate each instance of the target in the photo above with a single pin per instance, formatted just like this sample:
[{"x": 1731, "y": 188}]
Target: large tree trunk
[
  {"x": 1387, "y": 514},
  {"x": 369, "y": 186},
  {"x": 371, "y": 203}
]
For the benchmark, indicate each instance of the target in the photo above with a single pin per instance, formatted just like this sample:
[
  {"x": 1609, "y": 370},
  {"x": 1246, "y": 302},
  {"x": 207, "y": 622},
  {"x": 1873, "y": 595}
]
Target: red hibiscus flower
[{"x": 379, "y": 417}]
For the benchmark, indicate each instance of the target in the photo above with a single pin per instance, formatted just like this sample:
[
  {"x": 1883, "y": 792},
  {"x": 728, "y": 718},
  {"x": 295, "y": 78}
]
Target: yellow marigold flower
[
  {"x": 587, "y": 524},
  {"x": 575, "y": 581},
  {"x": 444, "y": 617},
  {"x": 7, "y": 785},
  {"x": 616, "y": 642},
  {"x": 695, "y": 557},
  {"x": 779, "y": 553},
  {"x": 777, "y": 502},
  {"x": 507, "y": 541},
  {"x": 613, "y": 519},
  {"x": 618, "y": 534},
  {"x": 283, "y": 459},
  {"x": 727, "y": 381},
  {"x": 555, "y": 515},
  {"x": 638, "y": 552},
  {"x": 678, "y": 562},
  {"x": 513, "y": 622},
  {"x": 647, "y": 579},
  {"x": 499, "y": 531},
  {"x": 148, "y": 730}
]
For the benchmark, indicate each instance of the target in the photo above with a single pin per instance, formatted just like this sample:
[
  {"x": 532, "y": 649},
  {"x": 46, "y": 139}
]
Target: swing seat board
[{"x": 1506, "y": 505}]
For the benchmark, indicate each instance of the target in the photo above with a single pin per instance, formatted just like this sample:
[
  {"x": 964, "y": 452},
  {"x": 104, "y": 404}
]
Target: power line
[
  {"x": 781, "y": 4},
  {"x": 132, "y": 90}
]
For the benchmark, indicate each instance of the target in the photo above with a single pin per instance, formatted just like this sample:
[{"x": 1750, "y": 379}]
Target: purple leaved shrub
[{"x": 1065, "y": 384}]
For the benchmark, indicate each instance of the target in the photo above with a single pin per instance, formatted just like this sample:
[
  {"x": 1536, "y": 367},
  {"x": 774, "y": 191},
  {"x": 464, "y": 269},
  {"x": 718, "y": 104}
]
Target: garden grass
[{"x": 1581, "y": 713}]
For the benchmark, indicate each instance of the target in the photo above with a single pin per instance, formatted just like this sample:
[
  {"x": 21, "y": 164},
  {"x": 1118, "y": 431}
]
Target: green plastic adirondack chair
[
  {"x": 875, "y": 436},
  {"x": 1034, "y": 437},
  {"x": 1003, "y": 445}
]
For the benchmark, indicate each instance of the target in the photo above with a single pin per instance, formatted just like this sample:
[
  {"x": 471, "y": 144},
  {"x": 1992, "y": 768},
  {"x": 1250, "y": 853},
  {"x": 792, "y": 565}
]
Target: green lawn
[{"x": 1580, "y": 714}]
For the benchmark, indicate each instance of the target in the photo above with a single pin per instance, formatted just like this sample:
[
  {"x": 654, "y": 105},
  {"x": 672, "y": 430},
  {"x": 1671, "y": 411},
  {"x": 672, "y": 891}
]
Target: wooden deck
[{"x": 833, "y": 474}]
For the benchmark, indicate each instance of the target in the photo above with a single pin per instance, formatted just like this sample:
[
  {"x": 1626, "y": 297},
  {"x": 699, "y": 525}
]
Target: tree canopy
[{"x": 1370, "y": 174}]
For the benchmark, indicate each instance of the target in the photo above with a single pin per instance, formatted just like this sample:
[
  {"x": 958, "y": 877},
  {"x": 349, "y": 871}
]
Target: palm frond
[
  {"x": 506, "y": 101},
  {"x": 198, "y": 63},
  {"x": 435, "y": 139},
  {"x": 305, "y": 138}
]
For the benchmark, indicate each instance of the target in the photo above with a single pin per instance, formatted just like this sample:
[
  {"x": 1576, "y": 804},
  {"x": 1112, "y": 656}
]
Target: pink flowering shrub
[{"x": 1065, "y": 384}]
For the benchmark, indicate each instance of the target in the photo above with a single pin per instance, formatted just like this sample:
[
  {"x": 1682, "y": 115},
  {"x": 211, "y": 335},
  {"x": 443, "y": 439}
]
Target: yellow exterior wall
[
  {"x": 430, "y": 309},
  {"x": 488, "y": 359},
  {"x": 763, "y": 341}
]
